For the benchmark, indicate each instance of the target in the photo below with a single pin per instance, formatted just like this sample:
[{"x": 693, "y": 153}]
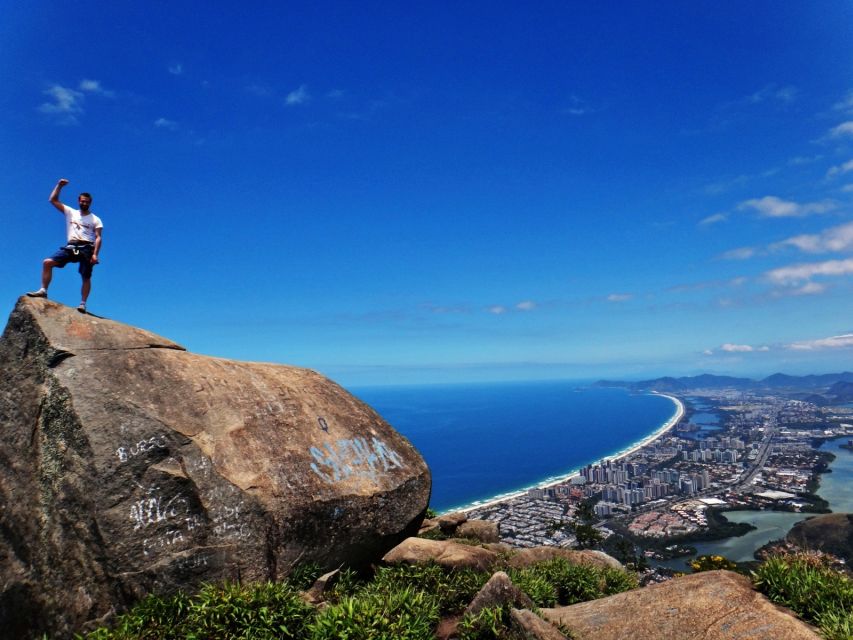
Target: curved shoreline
[{"x": 553, "y": 482}]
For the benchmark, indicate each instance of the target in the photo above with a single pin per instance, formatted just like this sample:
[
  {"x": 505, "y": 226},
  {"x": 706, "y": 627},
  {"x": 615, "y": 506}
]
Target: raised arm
[{"x": 54, "y": 195}]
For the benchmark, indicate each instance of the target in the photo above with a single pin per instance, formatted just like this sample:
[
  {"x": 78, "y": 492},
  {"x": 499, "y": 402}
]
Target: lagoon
[{"x": 836, "y": 488}]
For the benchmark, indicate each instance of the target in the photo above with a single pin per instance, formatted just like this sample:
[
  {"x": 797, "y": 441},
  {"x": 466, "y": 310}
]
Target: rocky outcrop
[
  {"x": 480, "y": 530},
  {"x": 532, "y": 627},
  {"x": 128, "y": 465},
  {"x": 590, "y": 557},
  {"x": 499, "y": 591},
  {"x": 446, "y": 553},
  {"x": 713, "y": 605},
  {"x": 832, "y": 533}
]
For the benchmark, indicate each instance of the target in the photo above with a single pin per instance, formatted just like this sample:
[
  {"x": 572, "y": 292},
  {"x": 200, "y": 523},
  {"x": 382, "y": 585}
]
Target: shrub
[
  {"x": 155, "y": 617},
  {"x": 258, "y": 612},
  {"x": 711, "y": 563},
  {"x": 570, "y": 583},
  {"x": 452, "y": 588},
  {"x": 303, "y": 576},
  {"x": 492, "y": 623},
  {"x": 814, "y": 591},
  {"x": 403, "y": 613}
]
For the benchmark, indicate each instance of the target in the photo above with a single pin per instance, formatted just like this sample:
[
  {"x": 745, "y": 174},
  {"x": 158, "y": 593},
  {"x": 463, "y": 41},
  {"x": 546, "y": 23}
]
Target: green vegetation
[
  {"x": 404, "y": 602},
  {"x": 559, "y": 582},
  {"x": 816, "y": 592},
  {"x": 407, "y": 602},
  {"x": 252, "y": 612},
  {"x": 489, "y": 624},
  {"x": 712, "y": 563}
]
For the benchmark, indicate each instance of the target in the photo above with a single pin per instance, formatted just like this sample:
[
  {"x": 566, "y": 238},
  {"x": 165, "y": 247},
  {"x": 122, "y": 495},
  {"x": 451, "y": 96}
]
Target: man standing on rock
[{"x": 83, "y": 230}]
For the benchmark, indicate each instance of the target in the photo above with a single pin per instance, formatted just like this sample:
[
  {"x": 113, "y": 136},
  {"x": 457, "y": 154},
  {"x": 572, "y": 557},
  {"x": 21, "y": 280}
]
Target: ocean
[{"x": 482, "y": 441}]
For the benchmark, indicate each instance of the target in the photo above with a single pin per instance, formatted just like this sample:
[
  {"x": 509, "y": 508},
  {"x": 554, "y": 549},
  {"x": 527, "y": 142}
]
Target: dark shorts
[{"x": 76, "y": 253}]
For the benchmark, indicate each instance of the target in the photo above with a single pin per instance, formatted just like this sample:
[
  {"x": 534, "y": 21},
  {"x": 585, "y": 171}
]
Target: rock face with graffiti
[{"x": 128, "y": 465}]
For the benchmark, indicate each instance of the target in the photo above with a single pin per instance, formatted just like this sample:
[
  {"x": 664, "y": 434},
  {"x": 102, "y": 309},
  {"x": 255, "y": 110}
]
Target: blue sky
[{"x": 424, "y": 192}]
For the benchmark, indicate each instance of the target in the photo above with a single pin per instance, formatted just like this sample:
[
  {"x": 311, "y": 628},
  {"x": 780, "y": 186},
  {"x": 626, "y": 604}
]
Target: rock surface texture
[
  {"x": 446, "y": 553},
  {"x": 128, "y": 465},
  {"x": 832, "y": 533},
  {"x": 713, "y": 605}
]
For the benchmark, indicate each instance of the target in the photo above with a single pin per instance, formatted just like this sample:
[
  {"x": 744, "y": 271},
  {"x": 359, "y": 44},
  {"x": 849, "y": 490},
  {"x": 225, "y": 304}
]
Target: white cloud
[
  {"x": 298, "y": 96},
  {"x": 497, "y": 309},
  {"x": 798, "y": 274},
  {"x": 773, "y": 207},
  {"x": 165, "y": 123},
  {"x": 259, "y": 90},
  {"x": 846, "y": 104},
  {"x": 619, "y": 297},
  {"x": 844, "y": 129},
  {"x": 65, "y": 105},
  {"x": 847, "y": 167},
  {"x": 526, "y": 305},
  {"x": 741, "y": 253},
  {"x": 94, "y": 86},
  {"x": 838, "y": 238},
  {"x": 808, "y": 289},
  {"x": 713, "y": 219},
  {"x": 736, "y": 348},
  {"x": 176, "y": 69},
  {"x": 772, "y": 92},
  {"x": 835, "y": 342},
  {"x": 847, "y": 188},
  {"x": 707, "y": 352},
  {"x": 577, "y": 107},
  {"x": 801, "y": 160}
]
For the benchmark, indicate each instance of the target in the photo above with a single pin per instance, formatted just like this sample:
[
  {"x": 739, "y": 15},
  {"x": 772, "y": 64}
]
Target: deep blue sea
[{"x": 485, "y": 440}]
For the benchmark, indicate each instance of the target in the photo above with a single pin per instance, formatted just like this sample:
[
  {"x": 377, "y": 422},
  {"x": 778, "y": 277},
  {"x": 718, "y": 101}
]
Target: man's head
[{"x": 84, "y": 200}]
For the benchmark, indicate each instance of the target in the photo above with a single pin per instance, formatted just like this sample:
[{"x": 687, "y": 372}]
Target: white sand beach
[{"x": 553, "y": 482}]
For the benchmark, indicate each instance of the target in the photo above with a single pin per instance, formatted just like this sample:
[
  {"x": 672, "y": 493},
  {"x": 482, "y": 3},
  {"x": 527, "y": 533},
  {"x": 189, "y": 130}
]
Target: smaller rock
[
  {"x": 448, "y": 628},
  {"x": 712, "y": 605},
  {"x": 498, "y": 591},
  {"x": 532, "y": 627},
  {"x": 449, "y": 521},
  {"x": 316, "y": 593},
  {"x": 428, "y": 526},
  {"x": 443, "y": 552},
  {"x": 482, "y": 530},
  {"x": 535, "y": 555}
]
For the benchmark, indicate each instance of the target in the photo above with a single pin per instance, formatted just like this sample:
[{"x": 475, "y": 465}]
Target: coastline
[{"x": 556, "y": 481}]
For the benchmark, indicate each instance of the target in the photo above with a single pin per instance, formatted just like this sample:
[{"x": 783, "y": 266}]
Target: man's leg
[
  {"x": 46, "y": 276},
  {"x": 85, "y": 270},
  {"x": 85, "y": 289},
  {"x": 47, "y": 272}
]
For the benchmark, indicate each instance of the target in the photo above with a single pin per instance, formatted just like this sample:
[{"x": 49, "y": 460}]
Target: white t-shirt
[{"x": 80, "y": 228}]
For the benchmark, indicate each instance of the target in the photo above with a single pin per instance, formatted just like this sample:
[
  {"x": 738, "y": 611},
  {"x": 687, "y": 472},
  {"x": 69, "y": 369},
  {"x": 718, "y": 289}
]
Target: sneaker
[
  {"x": 41, "y": 293},
  {"x": 82, "y": 307}
]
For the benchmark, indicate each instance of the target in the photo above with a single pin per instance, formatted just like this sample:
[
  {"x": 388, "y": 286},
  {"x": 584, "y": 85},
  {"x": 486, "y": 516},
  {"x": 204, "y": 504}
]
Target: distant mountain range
[{"x": 834, "y": 387}]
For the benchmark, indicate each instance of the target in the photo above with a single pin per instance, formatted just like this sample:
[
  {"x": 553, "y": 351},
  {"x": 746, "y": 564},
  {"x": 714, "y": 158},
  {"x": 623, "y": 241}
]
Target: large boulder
[{"x": 128, "y": 465}]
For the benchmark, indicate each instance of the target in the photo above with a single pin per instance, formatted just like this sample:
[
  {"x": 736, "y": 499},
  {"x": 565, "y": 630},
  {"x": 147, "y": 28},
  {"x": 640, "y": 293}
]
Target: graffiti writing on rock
[
  {"x": 155, "y": 509},
  {"x": 357, "y": 457},
  {"x": 138, "y": 448}
]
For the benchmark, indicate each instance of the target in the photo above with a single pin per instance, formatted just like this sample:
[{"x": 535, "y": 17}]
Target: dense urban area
[{"x": 750, "y": 450}]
